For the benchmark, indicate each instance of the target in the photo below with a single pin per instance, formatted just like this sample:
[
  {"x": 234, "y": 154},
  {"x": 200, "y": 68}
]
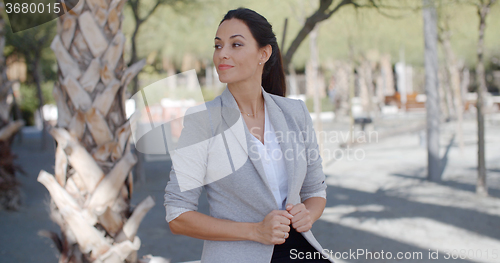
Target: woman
[{"x": 255, "y": 153}]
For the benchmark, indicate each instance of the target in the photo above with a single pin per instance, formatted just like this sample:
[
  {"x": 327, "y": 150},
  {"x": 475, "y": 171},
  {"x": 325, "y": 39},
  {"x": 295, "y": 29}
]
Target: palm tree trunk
[{"x": 92, "y": 185}]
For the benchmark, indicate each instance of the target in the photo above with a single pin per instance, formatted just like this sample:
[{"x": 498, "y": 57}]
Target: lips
[{"x": 224, "y": 66}]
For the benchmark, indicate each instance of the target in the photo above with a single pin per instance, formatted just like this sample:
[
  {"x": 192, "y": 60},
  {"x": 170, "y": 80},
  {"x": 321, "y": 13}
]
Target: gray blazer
[{"x": 215, "y": 152}]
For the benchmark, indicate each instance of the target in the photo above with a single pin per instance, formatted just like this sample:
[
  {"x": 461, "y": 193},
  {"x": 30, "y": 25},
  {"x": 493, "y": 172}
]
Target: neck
[{"x": 248, "y": 96}]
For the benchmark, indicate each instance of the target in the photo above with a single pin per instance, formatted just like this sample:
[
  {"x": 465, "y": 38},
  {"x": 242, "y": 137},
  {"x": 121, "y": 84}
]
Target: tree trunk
[
  {"x": 454, "y": 82},
  {"x": 366, "y": 86},
  {"x": 313, "y": 84},
  {"x": 351, "y": 87},
  {"x": 401, "y": 78},
  {"x": 387, "y": 75},
  {"x": 342, "y": 74},
  {"x": 38, "y": 82},
  {"x": 431, "y": 90},
  {"x": 92, "y": 185},
  {"x": 368, "y": 72},
  {"x": 319, "y": 15},
  {"x": 133, "y": 59},
  {"x": 445, "y": 89},
  {"x": 481, "y": 187},
  {"x": 464, "y": 87}
]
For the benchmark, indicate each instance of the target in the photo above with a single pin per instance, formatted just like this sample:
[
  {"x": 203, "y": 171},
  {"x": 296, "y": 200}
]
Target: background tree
[
  {"x": 431, "y": 90},
  {"x": 452, "y": 68},
  {"x": 9, "y": 192},
  {"x": 324, "y": 11},
  {"x": 92, "y": 185},
  {"x": 483, "y": 8},
  {"x": 141, "y": 16},
  {"x": 32, "y": 44}
]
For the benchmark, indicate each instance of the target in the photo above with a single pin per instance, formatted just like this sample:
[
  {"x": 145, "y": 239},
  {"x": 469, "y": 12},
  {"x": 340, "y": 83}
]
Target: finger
[
  {"x": 303, "y": 228},
  {"x": 303, "y": 217},
  {"x": 286, "y": 214},
  {"x": 297, "y": 208},
  {"x": 289, "y": 206},
  {"x": 297, "y": 224},
  {"x": 282, "y": 240},
  {"x": 285, "y": 228},
  {"x": 284, "y": 220},
  {"x": 304, "y": 221},
  {"x": 298, "y": 217},
  {"x": 279, "y": 234}
]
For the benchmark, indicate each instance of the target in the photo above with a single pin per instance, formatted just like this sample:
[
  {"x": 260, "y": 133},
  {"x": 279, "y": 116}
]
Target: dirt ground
[{"x": 379, "y": 202}]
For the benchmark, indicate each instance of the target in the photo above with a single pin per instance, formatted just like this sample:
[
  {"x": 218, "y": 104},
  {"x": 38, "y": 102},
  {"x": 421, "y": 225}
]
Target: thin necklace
[{"x": 249, "y": 114}]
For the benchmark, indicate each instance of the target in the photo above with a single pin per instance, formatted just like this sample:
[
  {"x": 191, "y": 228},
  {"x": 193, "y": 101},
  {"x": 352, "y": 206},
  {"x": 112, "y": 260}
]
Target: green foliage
[
  {"x": 29, "y": 102},
  {"x": 31, "y": 40},
  {"x": 209, "y": 94},
  {"x": 366, "y": 29},
  {"x": 34, "y": 44},
  {"x": 326, "y": 104}
]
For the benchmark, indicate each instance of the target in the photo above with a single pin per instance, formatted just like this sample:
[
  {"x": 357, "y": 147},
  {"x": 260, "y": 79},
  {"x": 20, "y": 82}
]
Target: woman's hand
[
  {"x": 274, "y": 229},
  {"x": 301, "y": 220}
]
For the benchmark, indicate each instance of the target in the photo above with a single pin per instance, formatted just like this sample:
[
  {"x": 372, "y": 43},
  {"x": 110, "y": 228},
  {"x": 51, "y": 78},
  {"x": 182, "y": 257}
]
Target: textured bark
[
  {"x": 431, "y": 90},
  {"x": 92, "y": 185},
  {"x": 483, "y": 8}
]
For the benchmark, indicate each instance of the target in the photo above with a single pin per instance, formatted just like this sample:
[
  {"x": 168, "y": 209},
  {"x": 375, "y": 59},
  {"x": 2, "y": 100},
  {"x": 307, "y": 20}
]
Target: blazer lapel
[
  {"x": 232, "y": 116},
  {"x": 281, "y": 129},
  {"x": 233, "y": 119}
]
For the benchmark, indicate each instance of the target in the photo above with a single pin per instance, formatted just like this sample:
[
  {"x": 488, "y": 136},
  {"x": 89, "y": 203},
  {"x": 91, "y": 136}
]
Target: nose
[{"x": 223, "y": 53}]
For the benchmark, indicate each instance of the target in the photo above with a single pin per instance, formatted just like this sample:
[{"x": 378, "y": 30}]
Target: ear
[{"x": 266, "y": 53}]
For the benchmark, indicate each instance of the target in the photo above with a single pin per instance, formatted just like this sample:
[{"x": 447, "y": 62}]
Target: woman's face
[{"x": 236, "y": 54}]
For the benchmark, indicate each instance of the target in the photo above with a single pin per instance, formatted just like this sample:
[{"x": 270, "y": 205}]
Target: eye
[
  {"x": 216, "y": 46},
  {"x": 237, "y": 44}
]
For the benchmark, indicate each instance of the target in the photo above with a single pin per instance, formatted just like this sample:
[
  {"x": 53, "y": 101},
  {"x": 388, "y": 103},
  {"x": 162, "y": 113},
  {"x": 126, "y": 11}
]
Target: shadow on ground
[{"x": 20, "y": 242}]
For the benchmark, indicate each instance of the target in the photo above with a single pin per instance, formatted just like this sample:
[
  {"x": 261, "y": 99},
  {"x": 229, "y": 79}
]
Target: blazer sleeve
[
  {"x": 173, "y": 212},
  {"x": 189, "y": 165},
  {"x": 314, "y": 182}
]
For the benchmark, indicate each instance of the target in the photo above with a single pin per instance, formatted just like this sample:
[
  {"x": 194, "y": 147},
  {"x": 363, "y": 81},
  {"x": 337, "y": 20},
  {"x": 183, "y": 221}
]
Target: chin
[
  {"x": 225, "y": 79},
  {"x": 228, "y": 79}
]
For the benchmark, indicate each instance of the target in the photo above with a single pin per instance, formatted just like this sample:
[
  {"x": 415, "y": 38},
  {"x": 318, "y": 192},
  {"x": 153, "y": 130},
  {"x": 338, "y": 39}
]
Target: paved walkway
[
  {"x": 382, "y": 202},
  {"x": 377, "y": 202}
]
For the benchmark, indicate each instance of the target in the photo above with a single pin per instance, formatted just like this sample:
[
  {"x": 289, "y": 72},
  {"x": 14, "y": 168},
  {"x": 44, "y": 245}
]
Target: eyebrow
[{"x": 233, "y": 36}]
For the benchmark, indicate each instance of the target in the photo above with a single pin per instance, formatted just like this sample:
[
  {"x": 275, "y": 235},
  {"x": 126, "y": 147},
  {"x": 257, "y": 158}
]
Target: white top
[
  {"x": 274, "y": 167},
  {"x": 273, "y": 162}
]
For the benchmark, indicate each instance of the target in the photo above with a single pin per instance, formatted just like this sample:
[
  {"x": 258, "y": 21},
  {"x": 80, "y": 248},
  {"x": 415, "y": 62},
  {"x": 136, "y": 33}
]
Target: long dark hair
[{"x": 273, "y": 75}]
